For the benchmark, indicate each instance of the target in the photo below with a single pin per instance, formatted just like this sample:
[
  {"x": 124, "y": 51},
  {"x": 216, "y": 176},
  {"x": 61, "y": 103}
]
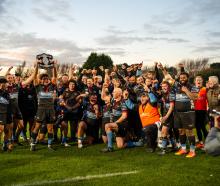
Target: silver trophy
[{"x": 46, "y": 61}]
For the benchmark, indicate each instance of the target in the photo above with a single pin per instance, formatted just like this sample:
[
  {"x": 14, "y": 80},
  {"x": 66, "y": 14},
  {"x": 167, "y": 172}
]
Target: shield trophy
[{"x": 46, "y": 61}]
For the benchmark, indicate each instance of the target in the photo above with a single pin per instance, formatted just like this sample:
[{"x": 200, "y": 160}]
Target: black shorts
[
  {"x": 43, "y": 129},
  {"x": 46, "y": 116},
  {"x": 104, "y": 122},
  {"x": 169, "y": 122},
  {"x": 70, "y": 116},
  {"x": 16, "y": 111},
  {"x": 92, "y": 128},
  {"x": 184, "y": 120},
  {"x": 5, "y": 118},
  {"x": 122, "y": 127},
  {"x": 28, "y": 115}
]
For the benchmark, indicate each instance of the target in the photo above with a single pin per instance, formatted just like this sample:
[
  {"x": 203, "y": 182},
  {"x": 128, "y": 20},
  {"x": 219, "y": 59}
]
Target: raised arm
[
  {"x": 107, "y": 77},
  {"x": 167, "y": 76},
  {"x": 139, "y": 70},
  {"x": 32, "y": 77},
  {"x": 8, "y": 71},
  {"x": 103, "y": 93},
  {"x": 160, "y": 66},
  {"x": 71, "y": 71},
  {"x": 54, "y": 76},
  {"x": 157, "y": 74}
]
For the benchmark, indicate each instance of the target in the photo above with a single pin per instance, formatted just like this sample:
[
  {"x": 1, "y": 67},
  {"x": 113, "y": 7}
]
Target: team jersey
[
  {"x": 27, "y": 99},
  {"x": 89, "y": 111},
  {"x": 4, "y": 101},
  {"x": 93, "y": 90},
  {"x": 166, "y": 100},
  {"x": 60, "y": 110},
  {"x": 70, "y": 99},
  {"x": 118, "y": 107},
  {"x": 13, "y": 90},
  {"x": 106, "y": 111},
  {"x": 46, "y": 96},
  {"x": 183, "y": 102}
]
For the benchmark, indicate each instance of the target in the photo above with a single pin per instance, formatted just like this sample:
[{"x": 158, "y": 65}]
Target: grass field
[{"x": 22, "y": 167}]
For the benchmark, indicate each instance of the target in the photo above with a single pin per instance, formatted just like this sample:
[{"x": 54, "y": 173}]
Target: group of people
[{"x": 123, "y": 105}]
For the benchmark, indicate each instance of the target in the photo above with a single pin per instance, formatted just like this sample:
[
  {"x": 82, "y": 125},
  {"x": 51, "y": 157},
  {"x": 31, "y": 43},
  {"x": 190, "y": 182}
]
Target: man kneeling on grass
[
  {"x": 150, "y": 117},
  {"x": 119, "y": 121},
  {"x": 89, "y": 123}
]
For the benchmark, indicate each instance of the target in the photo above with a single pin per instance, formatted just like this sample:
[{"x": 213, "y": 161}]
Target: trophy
[{"x": 45, "y": 61}]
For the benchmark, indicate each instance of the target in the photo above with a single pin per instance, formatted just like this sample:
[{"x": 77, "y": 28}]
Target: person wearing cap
[{"x": 149, "y": 116}]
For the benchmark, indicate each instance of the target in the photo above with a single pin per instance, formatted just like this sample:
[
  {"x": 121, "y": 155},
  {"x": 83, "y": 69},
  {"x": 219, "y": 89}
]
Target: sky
[{"x": 127, "y": 30}]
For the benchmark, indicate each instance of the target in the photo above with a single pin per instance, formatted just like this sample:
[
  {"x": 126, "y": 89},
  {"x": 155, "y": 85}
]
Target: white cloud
[
  {"x": 28, "y": 46},
  {"x": 51, "y": 11}
]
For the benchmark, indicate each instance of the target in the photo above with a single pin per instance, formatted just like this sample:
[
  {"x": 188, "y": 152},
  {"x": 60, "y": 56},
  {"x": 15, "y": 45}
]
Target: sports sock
[
  {"x": 192, "y": 143},
  {"x": 50, "y": 138},
  {"x": 33, "y": 137},
  {"x": 64, "y": 139},
  {"x": 183, "y": 141},
  {"x": 164, "y": 143},
  {"x": 110, "y": 139},
  {"x": 80, "y": 139}
]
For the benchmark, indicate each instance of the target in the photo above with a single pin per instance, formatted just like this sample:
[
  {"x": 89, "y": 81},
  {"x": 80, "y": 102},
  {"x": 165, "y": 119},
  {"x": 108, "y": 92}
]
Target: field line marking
[{"x": 78, "y": 178}]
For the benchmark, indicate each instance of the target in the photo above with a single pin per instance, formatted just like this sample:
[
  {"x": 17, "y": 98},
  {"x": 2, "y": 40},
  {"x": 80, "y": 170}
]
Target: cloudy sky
[{"x": 128, "y": 30}]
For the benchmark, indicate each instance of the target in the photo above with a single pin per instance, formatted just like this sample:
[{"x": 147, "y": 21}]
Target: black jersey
[
  {"x": 27, "y": 99},
  {"x": 70, "y": 98}
]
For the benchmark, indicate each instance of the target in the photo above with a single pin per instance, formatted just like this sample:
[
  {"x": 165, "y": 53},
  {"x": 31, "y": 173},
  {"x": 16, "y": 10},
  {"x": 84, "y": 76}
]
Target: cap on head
[
  {"x": 3, "y": 79},
  {"x": 144, "y": 94}
]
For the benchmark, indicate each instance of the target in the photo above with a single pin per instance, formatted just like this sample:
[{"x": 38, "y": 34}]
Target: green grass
[{"x": 23, "y": 166}]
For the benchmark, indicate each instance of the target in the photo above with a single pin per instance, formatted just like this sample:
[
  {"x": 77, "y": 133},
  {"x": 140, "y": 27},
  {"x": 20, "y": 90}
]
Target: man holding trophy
[{"x": 46, "y": 91}]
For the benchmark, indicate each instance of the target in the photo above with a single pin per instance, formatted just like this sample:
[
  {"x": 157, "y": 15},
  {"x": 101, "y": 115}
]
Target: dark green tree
[
  {"x": 209, "y": 72},
  {"x": 95, "y": 60},
  {"x": 215, "y": 66}
]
